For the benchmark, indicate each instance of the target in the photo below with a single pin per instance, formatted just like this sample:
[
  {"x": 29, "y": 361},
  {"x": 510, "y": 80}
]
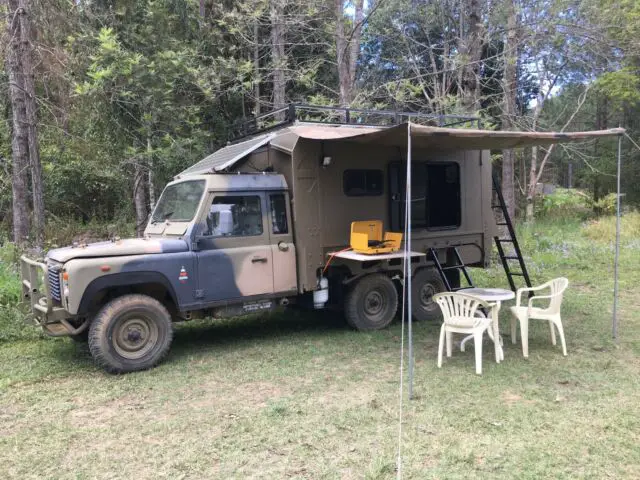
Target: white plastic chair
[
  {"x": 556, "y": 288},
  {"x": 459, "y": 316}
]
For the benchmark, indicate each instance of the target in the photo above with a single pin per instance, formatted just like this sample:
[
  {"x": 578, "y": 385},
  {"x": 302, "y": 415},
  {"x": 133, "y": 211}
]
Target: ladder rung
[
  {"x": 453, "y": 267},
  {"x": 502, "y": 224},
  {"x": 504, "y": 240},
  {"x": 519, "y": 274},
  {"x": 511, "y": 257}
]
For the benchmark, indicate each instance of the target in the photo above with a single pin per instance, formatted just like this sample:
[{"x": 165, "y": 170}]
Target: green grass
[{"x": 299, "y": 395}]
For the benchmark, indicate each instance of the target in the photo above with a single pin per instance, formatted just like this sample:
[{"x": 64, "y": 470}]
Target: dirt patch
[
  {"x": 245, "y": 395},
  {"x": 105, "y": 414},
  {"x": 510, "y": 398}
]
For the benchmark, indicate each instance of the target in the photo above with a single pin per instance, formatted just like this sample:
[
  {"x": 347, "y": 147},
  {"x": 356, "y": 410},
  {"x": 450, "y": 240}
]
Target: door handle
[{"x": 259, "y": 259}]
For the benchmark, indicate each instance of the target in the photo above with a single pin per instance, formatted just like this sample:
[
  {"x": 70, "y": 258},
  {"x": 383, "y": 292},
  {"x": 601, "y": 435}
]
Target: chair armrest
[
  {"x": 539, "y": 297},
  {"x": 520, "y": 291}
]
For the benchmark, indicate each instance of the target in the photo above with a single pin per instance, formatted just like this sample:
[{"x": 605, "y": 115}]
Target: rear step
[{"x": 460, "y": 266}]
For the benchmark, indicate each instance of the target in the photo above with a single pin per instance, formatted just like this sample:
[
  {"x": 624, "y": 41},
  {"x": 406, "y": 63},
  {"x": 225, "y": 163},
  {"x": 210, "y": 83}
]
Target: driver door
[{"x": 234, "y": 254}]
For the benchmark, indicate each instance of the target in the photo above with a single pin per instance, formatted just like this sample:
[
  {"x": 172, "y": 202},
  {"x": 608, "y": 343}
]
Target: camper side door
[{"x": 234, "y": 255}]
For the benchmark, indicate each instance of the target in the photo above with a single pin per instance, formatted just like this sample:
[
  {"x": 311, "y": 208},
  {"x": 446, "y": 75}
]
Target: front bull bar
[{"x": 35, "y": 292}]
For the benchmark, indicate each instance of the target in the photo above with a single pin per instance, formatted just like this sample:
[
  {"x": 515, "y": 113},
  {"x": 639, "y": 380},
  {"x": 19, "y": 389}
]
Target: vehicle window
[
  {"x": 179, "y": 202},
  {"x": 279, "y": 214},
  {"x": 360, "y": 183},
  {"x": 435, "y": 195},
  {"x": 235, "y": 216}
]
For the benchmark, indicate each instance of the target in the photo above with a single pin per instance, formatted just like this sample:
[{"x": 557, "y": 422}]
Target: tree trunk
[
  {"x": 509, "y": 106},
  {"x": 20, "y": 134},
  {"x": 347, "y": 49},
  {"x": 32, "y": 120},
  {"x": 152, "y": 192},
  {"x": 531, "y": 187},
  {"x": 601, "y": 124},
  {"x": 470, "y": 54},
  {"x": 256, "y": 66},
  {"x": 140, "y": 198},
  {"x": 278, "y": 55}
]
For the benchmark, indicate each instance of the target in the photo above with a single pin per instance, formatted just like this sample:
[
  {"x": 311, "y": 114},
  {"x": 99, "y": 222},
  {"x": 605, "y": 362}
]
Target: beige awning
[{"x": 444, "y": 139}]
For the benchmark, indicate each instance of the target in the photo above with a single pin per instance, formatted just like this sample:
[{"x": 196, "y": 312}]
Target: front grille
[{"x": 54, "y": 282}]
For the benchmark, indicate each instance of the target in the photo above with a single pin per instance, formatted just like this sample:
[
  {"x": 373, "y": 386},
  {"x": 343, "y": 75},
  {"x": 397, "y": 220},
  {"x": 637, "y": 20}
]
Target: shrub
[
  {"x": 603, "y": 229},
  {"x": 12, "y": 326},
  {"x": 565, "y": 203}
]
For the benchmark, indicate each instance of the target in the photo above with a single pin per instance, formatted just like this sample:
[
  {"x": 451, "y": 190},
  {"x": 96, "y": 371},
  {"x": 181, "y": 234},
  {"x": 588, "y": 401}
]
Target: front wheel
[
  {"x": 130, "y": 333},
  {"x": 372, "y": 303}
]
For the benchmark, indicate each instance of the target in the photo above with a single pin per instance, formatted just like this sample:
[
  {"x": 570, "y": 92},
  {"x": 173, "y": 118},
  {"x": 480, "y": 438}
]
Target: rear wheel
[
  {"x": 424, "y": 285},
  {"x": 130, "y": 333},
  {"x": 372, "y": 303}
]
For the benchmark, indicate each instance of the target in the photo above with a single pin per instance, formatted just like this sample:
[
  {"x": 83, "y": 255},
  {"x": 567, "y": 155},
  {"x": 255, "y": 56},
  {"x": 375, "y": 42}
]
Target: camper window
[
  {"x": 435, "y": 193},
  {"x": 361, "y": 183},
  {"x": 233, "y": 216}
]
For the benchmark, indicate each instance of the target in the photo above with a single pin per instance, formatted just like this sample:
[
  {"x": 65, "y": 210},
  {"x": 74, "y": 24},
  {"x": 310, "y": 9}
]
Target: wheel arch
[{"x": 103, "y": 289}]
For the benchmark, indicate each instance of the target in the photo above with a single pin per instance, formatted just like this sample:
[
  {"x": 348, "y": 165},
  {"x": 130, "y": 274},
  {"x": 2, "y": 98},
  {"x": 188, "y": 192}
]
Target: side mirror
[{"x": 195, "y": 245}]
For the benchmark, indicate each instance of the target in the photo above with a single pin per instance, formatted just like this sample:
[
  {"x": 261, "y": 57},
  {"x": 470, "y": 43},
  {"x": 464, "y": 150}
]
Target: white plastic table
[{"x": 495, "y": 296}]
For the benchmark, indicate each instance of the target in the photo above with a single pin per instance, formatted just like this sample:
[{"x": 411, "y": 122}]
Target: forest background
[{"x": 104, "y": 101}]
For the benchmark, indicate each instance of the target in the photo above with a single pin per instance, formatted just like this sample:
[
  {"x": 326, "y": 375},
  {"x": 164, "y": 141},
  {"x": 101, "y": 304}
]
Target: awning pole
[
  {"x": 617, "y": 254},
  {"x": 408, "y": 244}
]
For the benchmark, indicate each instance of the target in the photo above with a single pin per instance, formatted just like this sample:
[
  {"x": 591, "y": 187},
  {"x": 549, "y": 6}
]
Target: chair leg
[
  {"x": 449, "y": 337},
  {"x": 441, "y": 346},
  {"x": 553, "y": 333},
  {"x": 513, "y": 330},
  {"x": 477, "y": 343},
  {"x": 561, "y": 333},
  {"x": 524, "y": 336}
]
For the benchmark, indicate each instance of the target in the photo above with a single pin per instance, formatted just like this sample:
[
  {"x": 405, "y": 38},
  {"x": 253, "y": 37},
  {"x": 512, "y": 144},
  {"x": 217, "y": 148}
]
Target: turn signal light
[
  {"x": 105, "y": 268},
  {"x": 65, "y": 276}
]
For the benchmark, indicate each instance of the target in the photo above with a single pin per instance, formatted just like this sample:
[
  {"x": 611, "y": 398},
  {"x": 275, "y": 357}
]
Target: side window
[
  {"x": 362, "y": 183},
  {"x": 235, "y": 216},
  {"x": 278, "y": 207}
]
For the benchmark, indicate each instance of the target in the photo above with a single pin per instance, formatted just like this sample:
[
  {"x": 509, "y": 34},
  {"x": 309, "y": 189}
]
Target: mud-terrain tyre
[
  {"x": 130, "y": 333},
  {"x": 424, "y": 284},
  {"x": 372, "y": 303}
]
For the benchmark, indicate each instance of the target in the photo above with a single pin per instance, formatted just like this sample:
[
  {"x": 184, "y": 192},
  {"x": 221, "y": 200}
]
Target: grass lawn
[{"x": 300, "y": 395}]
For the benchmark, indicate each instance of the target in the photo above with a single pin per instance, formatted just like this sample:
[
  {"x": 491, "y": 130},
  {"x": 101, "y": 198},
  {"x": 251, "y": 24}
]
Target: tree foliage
[{"x": 130, "y": 93}]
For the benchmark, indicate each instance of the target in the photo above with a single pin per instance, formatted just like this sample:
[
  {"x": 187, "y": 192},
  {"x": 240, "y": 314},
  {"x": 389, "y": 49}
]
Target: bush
[
  {"x": 606, "y": 205},
  {"x": 603, "y": 229},
  {"x": 12, "y": 326},
  {"x": 565, "y": 203}
]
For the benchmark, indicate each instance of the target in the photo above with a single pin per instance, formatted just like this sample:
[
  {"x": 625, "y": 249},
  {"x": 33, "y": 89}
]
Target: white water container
[{"x": 321, "y": 296}]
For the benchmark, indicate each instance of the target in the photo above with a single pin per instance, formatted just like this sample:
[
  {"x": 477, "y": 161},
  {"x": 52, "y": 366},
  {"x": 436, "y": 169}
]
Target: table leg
[{"x": 495, "y": 313}]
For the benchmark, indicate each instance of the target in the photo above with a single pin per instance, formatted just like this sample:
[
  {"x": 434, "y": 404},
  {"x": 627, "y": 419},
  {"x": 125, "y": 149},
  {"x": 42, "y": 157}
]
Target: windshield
[{"x": 179, "y": 202}]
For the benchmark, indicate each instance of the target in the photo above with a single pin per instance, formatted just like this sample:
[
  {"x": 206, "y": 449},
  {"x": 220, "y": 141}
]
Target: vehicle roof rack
[{"x": 297, "y": 112}]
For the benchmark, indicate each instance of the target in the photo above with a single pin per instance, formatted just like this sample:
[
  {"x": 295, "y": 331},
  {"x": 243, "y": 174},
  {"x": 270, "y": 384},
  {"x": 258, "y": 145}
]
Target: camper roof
[{"x": 375, "y": 127}]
